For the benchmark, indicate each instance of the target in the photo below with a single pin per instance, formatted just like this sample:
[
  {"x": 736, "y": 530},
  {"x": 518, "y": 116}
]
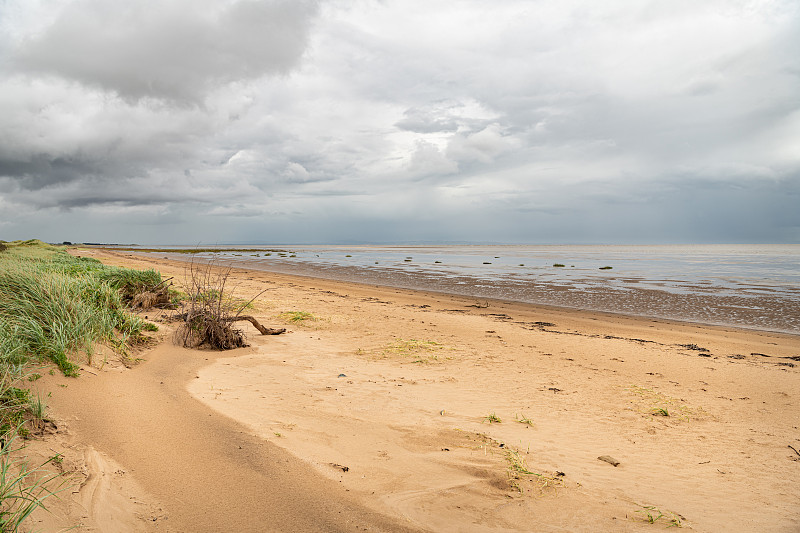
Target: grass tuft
[
  {"x": 652, "y": 514},
  {"x": 522, "y": 419},
  {"x": 297, "y": 317},
  {"x": 655, "y": 403},
  {"x": 418, "y": 351},
  {"x": 518, "y": 471},
  {"x": 492, "y": 418}
]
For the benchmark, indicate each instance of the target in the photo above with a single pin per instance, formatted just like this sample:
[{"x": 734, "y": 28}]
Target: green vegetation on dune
[{"x": 53, "y": 307}]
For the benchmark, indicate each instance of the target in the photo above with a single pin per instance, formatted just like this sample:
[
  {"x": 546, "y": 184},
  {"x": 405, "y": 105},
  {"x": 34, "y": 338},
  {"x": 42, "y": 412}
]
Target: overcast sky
[{"x": 213, "y": 121}]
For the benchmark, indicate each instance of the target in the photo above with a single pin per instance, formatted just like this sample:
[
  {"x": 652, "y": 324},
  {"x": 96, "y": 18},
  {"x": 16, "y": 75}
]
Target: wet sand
[
  {"x": 397, "y": 409},
  {"x": 760, "y": 307}
]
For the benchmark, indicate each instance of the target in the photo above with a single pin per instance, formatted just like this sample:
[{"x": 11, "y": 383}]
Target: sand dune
[{"x": 397, "y": 410}]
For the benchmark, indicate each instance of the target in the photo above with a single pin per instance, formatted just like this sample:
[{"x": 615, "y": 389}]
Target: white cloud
[
  {"x": 296, "y": 173},
  {"x": 483, "y": 146},
  {"x": 428, "y": 160}
]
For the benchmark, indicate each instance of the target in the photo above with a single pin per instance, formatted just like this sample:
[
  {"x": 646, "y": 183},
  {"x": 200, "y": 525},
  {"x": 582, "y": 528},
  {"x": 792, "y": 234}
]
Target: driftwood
[
  {"x": 259, "y": 327},
  {"x": 184, "y": 317}
]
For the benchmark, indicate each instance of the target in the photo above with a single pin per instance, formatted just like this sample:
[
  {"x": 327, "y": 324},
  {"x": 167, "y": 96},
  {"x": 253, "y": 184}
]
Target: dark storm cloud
[
  {"x": 41, "y": 170},
  {"x": 175, "y": 50}
]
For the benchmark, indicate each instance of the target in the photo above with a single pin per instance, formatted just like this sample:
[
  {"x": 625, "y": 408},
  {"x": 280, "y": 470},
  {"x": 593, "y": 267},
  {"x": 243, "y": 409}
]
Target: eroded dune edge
[{"x": 391, "y": 410}]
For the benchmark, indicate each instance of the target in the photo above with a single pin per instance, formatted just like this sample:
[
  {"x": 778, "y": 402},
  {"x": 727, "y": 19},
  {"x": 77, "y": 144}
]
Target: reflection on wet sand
[{"x": 754, "y": 291}]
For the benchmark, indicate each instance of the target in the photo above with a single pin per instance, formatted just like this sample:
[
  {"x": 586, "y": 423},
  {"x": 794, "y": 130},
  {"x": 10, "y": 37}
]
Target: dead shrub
[
  {"x": 205, "y": 328},
  {"x": 211, "y": 311},
  {"x": 148, "y": 299},
  {"x": 140, "y": 289}
]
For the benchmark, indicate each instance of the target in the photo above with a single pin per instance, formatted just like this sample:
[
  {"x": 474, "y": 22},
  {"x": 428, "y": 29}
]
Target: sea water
[{"x": 753, "y": 286}]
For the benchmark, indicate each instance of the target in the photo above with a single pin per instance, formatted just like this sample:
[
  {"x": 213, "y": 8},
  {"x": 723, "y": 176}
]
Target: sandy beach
[{"x": 398, "y": 410}]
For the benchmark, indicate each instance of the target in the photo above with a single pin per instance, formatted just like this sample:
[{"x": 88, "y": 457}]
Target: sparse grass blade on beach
[{"x": 24, "y": 488}]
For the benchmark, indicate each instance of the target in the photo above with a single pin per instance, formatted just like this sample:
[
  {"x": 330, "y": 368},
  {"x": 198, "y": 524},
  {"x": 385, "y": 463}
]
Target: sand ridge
[{"x": 386, "y": 400}]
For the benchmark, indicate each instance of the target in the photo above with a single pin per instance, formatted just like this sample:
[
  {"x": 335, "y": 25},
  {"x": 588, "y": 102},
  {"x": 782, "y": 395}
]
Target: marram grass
[
  {"x": 53, "y": 305},
  {"x": 54, "y": 315}
]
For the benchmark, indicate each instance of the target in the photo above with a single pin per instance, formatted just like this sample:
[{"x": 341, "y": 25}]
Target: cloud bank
[{"x": 291, "y": 121}]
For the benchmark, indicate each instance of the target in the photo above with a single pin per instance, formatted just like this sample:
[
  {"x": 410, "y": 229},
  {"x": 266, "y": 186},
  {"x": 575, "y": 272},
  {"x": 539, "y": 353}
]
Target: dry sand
[{"x": 377, "y": 416}]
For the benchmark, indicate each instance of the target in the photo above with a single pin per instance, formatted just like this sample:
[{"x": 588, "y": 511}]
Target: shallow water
[{"x": 753, "y": 286}]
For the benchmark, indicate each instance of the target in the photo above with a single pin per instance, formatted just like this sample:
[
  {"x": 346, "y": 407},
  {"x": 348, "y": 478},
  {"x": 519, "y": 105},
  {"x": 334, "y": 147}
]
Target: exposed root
[
  {"x": 203, "y": 328},
  {"x": 259, "y": 327}
]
